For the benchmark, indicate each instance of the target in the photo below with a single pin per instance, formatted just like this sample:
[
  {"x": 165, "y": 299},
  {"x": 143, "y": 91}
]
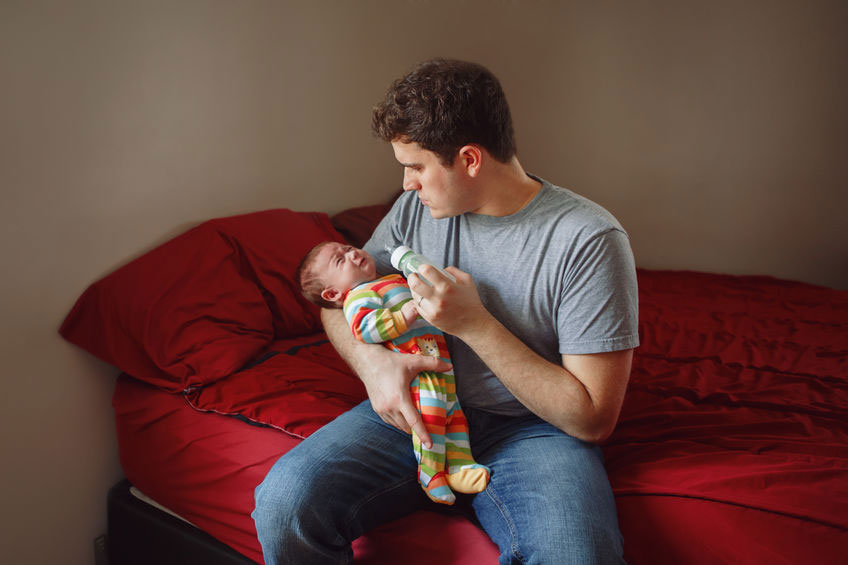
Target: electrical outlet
[{"x": 101, "y": 555}]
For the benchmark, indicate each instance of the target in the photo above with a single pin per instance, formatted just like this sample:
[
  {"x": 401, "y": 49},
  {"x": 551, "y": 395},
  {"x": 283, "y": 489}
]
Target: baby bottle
[{"x": 408, "y": 261}]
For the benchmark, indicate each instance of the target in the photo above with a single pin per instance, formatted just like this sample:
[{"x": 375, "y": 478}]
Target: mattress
[
  {"x": 732, "y": 443},
  {"x": 731, "y": 446},
  {"x": 205, "y": 466}
]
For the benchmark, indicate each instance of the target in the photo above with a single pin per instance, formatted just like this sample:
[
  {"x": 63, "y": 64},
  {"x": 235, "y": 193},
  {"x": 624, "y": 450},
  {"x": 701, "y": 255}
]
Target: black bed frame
[{"x": 140, "y": 534}]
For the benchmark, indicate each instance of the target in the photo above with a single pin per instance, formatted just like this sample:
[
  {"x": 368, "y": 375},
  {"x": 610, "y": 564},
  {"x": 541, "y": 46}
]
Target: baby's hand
[{"x": 409, "y": 311}]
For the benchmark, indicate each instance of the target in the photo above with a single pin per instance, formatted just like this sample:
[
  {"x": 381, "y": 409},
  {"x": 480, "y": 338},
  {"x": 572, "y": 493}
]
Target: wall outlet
[{"x": 101, "y": 555}]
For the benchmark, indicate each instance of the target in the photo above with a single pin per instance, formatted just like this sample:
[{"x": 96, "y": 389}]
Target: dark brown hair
[{"x": 443, "y": 104}]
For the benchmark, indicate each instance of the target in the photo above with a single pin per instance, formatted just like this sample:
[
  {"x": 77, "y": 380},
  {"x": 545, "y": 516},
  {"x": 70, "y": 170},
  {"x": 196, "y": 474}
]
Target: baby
[{"x": 334, "y": 275}]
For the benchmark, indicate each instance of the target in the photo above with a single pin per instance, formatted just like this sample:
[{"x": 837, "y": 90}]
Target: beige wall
[{"x": 717, "y": 134}]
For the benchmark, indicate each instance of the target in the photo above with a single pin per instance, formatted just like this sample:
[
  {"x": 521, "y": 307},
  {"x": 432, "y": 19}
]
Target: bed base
[{"x": 140, "y": 534}]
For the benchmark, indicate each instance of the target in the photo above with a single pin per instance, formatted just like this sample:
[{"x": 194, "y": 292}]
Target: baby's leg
[
  {"x": 464, "y": 474},
  {"x": 429, "y": 395}
]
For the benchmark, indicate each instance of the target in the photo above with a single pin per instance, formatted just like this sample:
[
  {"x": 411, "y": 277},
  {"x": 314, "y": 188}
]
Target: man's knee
[
  {"x": 286, "y": 499},
  {"x": 575, "y": 541},
  {"x": 274, "y": 506},
  {"x": 294, "y": 517}
]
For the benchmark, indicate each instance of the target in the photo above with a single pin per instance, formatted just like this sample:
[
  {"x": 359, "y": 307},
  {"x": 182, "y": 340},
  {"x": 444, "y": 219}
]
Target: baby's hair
[{"x": 311, "y": 284}]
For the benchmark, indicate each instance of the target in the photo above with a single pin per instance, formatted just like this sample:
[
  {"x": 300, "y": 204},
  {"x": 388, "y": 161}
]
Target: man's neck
[{"x": 508, "y": 188}]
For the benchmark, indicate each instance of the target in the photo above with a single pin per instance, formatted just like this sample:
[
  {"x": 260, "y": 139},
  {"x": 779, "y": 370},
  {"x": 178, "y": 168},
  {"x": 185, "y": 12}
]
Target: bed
[{"x": 732, "y": 444}]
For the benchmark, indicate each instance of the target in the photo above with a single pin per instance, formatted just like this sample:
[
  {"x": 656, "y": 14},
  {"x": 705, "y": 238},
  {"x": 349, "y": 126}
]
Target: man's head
[
  {"x": 443, "y": 105},
  {"x": 331, "y": 269},
  {"x": 445, "y": 119}
]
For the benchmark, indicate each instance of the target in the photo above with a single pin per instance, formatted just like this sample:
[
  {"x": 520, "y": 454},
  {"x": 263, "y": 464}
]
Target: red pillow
[
  {"x": 200, "y": 306},
  {"x": 357, "y": 224},
  {"x": 271, "y": 245}
]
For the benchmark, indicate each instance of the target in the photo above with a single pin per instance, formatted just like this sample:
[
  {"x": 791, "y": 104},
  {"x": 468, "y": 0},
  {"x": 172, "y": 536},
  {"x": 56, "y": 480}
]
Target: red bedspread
[
  {"x": 205, "y": 468},
  {"x": 732, "y": 444}
]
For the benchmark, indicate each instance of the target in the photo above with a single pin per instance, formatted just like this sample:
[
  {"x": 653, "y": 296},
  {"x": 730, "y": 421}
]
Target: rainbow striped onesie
[{"x": 373, "y": 311}]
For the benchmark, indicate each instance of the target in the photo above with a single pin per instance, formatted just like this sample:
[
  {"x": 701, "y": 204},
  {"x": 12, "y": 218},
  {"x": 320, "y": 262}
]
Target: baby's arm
[
  {"x": 409, "y": 311},
  {"x": 370, "y": 321}
]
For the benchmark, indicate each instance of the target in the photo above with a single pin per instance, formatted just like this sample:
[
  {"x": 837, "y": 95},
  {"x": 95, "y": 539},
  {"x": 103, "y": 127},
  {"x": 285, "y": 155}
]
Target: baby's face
[{"x": 342, "y": 267}]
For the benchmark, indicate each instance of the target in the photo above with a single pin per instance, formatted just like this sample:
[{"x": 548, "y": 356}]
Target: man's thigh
[
  {"x": 354, "y": 474},
  {"x": 549, "y": 499}
]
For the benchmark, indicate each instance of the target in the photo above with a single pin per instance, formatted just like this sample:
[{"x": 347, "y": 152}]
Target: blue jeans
[{"x": 548, "y": 500}]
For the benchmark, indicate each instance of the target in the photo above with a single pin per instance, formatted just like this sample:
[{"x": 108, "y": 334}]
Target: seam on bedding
[
  {"x": 258, "y": 361},
  {"x": 297, "y": 348},
  {"x": 242, "y": 417}
]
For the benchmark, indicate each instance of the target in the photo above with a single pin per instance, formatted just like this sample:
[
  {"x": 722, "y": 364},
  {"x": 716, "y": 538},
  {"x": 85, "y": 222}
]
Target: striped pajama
[{"x": 373, "y": 311}]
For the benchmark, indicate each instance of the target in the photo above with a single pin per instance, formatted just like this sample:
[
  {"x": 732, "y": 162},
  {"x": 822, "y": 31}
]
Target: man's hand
[
  {"x": 387, "y": 385},
  {"x": 453, "y": 307},
  {"x": 582, "y": 396},
  {"x": 385, "y": 374}
]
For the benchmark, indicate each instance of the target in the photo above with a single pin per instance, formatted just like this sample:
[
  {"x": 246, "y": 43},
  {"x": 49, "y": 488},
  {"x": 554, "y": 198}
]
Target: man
[{"x": 542, "y": 321}]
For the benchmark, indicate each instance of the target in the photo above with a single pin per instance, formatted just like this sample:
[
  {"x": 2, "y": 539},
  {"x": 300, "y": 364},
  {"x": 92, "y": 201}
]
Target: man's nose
[{"x": 410, "y": 183}]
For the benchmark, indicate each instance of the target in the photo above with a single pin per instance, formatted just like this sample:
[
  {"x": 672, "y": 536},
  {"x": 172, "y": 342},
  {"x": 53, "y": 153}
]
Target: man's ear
[
  {"x": 471, "y": 159},
  {"x": 331, "y": 294}
]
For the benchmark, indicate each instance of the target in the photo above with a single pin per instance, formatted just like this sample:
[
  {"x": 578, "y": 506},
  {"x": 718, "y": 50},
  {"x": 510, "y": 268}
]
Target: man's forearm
[
  {"x": 350, "y": 349},
  {"x": 547, "y": 389}
]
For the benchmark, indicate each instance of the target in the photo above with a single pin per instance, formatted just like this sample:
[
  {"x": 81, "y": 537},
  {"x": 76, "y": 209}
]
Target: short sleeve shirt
[{"x": 559, "y": 274}]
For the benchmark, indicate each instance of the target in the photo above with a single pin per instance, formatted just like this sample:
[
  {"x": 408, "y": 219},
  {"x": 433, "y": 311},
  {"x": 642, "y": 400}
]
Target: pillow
[
  {"x": 200, "y": 306},
  {"x": 357, "y": 224},
  {"x": 271, "y": 245}
]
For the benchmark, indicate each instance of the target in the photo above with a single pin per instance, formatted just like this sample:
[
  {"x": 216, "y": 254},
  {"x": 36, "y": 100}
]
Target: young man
[{"x": 542, "y": 321}]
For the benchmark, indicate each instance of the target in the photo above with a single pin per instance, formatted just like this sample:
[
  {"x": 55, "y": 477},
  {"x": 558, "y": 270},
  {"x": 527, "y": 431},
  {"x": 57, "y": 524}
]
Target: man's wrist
[{"x": 481, "y": 331}]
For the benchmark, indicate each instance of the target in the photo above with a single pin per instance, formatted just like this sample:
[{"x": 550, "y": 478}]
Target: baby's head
[{"x": 331, "y": 269}]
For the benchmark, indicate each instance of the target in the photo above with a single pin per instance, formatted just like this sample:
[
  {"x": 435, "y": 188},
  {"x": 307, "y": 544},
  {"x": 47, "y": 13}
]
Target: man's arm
[
  {"x": 582, "y": 397},
  {"x": 385, "y": 374}
]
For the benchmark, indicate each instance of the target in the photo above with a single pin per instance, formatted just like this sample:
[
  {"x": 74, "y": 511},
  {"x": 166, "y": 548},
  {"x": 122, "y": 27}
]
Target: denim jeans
[{"x": 548, "y": 501}]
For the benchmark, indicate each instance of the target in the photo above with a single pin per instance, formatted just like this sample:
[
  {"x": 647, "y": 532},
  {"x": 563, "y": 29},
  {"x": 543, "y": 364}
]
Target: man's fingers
[
  {"x": 438, "y": 276},
  {"x": 397, "y": 422},
  {"x": 457, "y": 273},
  {"x": 418, "y": 287},
  {"x": 395, "y": 419},
  {"x": 412, "y": 418},
  {"x": 427, "y": 363}
]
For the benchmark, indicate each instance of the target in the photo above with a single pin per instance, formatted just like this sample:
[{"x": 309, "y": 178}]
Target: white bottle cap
[{"x": 397, "y": 254}]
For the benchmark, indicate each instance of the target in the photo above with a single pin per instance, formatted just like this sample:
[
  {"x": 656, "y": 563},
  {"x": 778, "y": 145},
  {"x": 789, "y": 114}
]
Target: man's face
[
  {"x": 342, "y": 267},
  {"x": 439, "y": 188}
]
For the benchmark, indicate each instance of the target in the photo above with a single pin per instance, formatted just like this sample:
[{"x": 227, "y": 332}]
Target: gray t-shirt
[{"x": 559, "y": 274}]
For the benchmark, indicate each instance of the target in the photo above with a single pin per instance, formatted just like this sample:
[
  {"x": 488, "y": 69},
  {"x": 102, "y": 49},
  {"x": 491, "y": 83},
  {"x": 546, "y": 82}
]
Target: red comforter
[
  {"x": 732, "y": 443},
  {"x": 733, "y": 440}
]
